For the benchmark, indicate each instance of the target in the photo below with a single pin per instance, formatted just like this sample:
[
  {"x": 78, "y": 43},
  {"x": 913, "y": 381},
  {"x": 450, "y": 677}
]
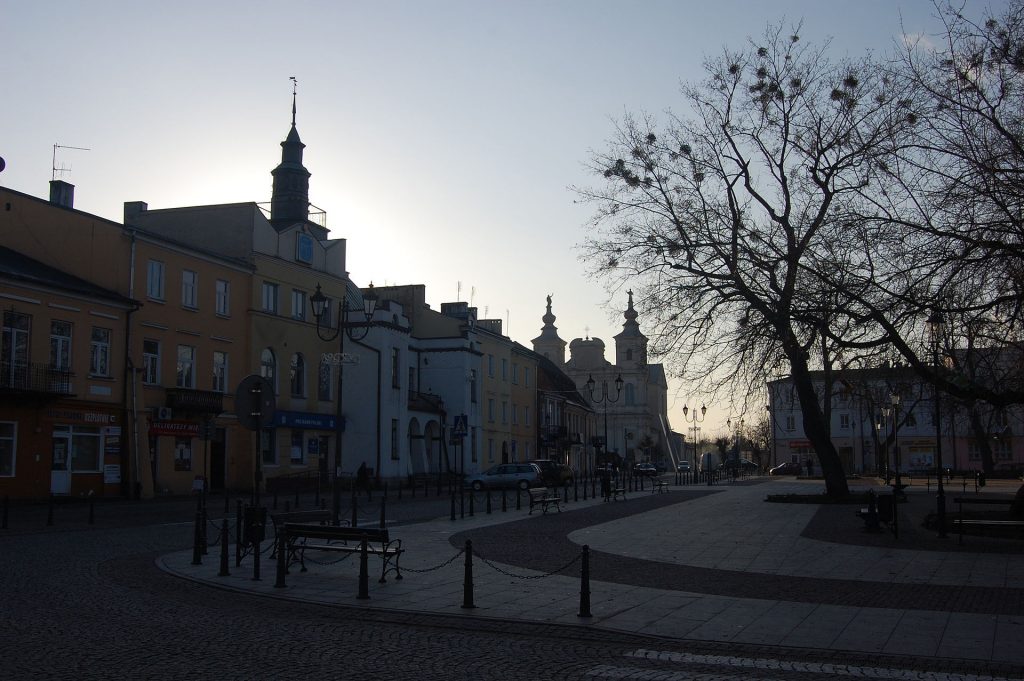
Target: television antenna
[{"x": 62, "y": 168}]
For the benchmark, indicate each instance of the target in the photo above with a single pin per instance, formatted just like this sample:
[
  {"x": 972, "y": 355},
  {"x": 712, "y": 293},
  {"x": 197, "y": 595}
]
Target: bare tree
[{"x": 725, "y": 219}]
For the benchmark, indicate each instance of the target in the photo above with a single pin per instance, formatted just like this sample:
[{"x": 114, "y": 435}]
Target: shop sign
[
  {"x": 81, "y": 416},
  {"x": 112, "y": 474},
  {"x": 307, "y": 420},
  {"x": 178, "y": 428}
]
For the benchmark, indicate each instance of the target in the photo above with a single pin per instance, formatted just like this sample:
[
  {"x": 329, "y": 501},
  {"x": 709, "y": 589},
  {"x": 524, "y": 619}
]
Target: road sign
[
  {"x": 460, "y": 428},
  {"x": 255, "y": 402}
]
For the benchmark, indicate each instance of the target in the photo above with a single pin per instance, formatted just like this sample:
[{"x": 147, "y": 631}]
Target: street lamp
[
  {"x": 897, "y": 485},
  {"x": 695, "y": 420},
  {"x": 356, "y": 331},
  {"x": 935, "y": 325},
  {"x": 606, "y": 399}
]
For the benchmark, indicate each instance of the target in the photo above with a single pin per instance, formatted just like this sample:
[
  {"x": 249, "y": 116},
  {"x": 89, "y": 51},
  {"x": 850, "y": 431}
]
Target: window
[
  {"x": 504, "y": 369},
  {"x": 268, "y": 366},
  {"x": 298, "y": 304},
  {"x": 99, "y": 352},
  {"x": 186, "y": 368},
  {"x": 515, "y": 414},
  {"x": 155, "y": 280},
  {"x": 526, "y": 415},
  {"x": 223, "y": 302},
  {"x": 526, "y": 376},
  {"x": 151, "y": 361},
  {"x": 472, "y": 386},
  {"x": 395, "y": 382},
  {"x": 269, "y": 297},
  {"x": 14, "y": 362},
  {"x": 182, "y": 454},
  {"x": 490, "y": 450},
  {"x": 394, "y": 439},
  {"x": 515, "y": 373},
  {"x": 490, "y": 409},
  {"x": 790, "y": 422},
  {"x": 60, "y": 345},
  {"x": 268, "y": 447},
  {"x": 490, "y": 365},
  {"x": 323, "y": 386},
  {"x": 412, "y": 378},
  {"x": 7, "y": 449},
  {"x": 630, "y": 394},
  {"x": 189, "y": 286},
  {"x": 298, "y": 452},
  {"x": 911, "y": 420},
  {"x": 629, "y": 355},
  {"x": 844, "y": 421},
  {"x": 220, "y": 371},
  {"x": 83, "y": 444},
  {"x": 473, "y": 456},
  {"x": 504, "y": 412},
  {"x": 297, "y": 375}
]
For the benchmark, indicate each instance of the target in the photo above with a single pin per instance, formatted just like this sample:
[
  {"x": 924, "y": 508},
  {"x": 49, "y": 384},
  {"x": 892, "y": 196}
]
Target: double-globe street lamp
[
  {"x": 935, "y": 325},
  {"x": 695, "y": 428},
  {"x": 356, "y": 331},
  {"x": 606, "y": 399}
]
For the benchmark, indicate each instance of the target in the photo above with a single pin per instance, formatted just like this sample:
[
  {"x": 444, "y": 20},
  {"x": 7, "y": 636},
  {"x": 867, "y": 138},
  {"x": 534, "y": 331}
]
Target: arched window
[
  {"x": 630, "y": 394},
  {"x": 297, "y": 375},
  {"x": 629, "y": 354},
  {"x": 324, "y": 381},
  {"x": 268, "y": 366}
]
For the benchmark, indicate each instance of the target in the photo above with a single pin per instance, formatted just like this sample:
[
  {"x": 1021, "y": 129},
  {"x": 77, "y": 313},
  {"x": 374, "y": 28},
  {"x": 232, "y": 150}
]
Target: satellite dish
[
  {"x": 3, "y": 164},
  {"x": 255, "y": 402}
]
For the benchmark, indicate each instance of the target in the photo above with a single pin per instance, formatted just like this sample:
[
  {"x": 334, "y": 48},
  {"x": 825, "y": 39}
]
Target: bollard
[
  {"x": 92, "y": 512},
  {"x": 575, "y": 490},
  {"x": 453, "y": 505},
  {"x": 49, "y": 513},
  {"x": 383, "y": 517},
  {"x": 462, "y": 502},
  {"x": 488, "y": 502},
  {"x": 224, "y": 549},
  {"x": 238, "y": 534},
  {"x": 467, "y": 580},
  {"x": 282, "y": 559},
  {"x": 472, "y": 503},
  {"x": 364, "y": 578},
  {"x": 593, "y": 487},
  {"x": 355, "y": 508},
  {"x": 202, "y": 525},
  {"x": 585, "y": 583},
  {"x": 584, "y": 489},
  {"x": 196, "y": 548},
  {"x": 504, "y": 502},
  {"x": 256, "y": 559}
]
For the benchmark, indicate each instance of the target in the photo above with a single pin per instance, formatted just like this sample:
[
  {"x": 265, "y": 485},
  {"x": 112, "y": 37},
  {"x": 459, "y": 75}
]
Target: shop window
[
  {"x": 83, "y": 443},
  {"x": 182, "y": 453},
  {"x": 268, "y": 446},
  {"x": 298, "y": 453}
]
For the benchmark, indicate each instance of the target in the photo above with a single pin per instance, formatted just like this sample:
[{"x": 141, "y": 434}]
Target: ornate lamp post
[
  {"x": 355, "y": 330},
  {"x": 695, "y": 420},
  {"x": 935, "y": 325},
  {"x": 606, "y": 398},
  {"x": 897, "y": 488}
]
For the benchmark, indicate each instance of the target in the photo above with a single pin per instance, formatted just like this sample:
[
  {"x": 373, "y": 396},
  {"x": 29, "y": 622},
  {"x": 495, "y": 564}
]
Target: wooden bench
[
  {"x": 544, "y": 497},
  {"x": 306, "y": 537},
  {"x": 616, "y": 492},
  {"x": 658, "y": 486},
  {"x": 320, "y": 516},
  {"x": 998, "y": 523}
]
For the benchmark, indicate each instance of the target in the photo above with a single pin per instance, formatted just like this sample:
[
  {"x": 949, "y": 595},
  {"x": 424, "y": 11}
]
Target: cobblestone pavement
[{"x": 86, "y": 601}]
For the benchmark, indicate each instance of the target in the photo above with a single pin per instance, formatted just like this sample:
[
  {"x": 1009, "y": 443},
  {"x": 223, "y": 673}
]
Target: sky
[{"x": 443, "y": 136}]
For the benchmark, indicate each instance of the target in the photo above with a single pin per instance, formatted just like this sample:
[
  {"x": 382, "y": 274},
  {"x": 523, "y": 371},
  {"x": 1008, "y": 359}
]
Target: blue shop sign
[{"x": 307, "y": 420}]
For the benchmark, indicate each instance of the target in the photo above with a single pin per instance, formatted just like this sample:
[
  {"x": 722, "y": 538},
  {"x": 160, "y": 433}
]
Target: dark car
[
  {"x": 745, "y": 465},
  {"x": 554, "y": 474},
  {"x": 645, "y": 469},
  {"x": 786, "y": 468}
]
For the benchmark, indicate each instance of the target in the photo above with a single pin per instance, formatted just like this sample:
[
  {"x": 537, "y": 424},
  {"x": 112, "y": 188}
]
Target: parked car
[
  {"x": 743, "y": 464},
  {"x": 553, "y": 473},
  {"x": 684, "y": 466},
  {"x": 646, "y": 469},
  {"x": 508, "y": 475},
  {"x": 786, "y": 468}
]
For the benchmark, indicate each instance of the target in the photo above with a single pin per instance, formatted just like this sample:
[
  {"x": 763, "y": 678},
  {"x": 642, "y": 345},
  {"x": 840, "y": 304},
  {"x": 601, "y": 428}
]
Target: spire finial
[{"x": 295, "y": 85}]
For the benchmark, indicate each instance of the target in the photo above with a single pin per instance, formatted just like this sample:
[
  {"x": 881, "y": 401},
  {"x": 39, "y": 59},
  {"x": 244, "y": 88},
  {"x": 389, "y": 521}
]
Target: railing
[{"x": 35, "y": 378}]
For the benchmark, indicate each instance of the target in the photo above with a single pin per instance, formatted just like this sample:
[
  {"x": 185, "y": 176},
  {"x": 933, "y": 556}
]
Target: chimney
[
  {"x": 62, "y": 194},
  {"x": 133, "y": 209}
]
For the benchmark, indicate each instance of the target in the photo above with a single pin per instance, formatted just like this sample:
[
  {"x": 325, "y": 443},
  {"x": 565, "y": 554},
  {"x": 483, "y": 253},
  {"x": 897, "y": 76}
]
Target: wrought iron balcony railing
[{"x": 26, "y": 377}]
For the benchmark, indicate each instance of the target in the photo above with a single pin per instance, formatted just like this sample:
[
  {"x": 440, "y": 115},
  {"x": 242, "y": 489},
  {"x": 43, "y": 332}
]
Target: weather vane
[{"x": 295, "y": 87}]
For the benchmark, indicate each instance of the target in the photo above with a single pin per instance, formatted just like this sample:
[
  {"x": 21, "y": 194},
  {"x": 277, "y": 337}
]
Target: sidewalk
[{"x": 695, "y": 563}]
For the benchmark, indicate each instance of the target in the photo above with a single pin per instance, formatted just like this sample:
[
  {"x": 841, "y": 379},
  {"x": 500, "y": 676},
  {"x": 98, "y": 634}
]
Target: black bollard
[
  {"x": 585, "y": 583},
  {"x": 467, "y": 580},
  {"x": 504, "y": 502},
  {"x": 49, "y": 513},
  {"x": 256, "y": 559},
  {"x": 462, "y": 502},
  {"x": 196, "y": 548},
  {"x": 575, "y": 490},
  {"x": 472, "y": 503},
  {"x": 364, "y": 576},
  {"x": 282, "y": 559},
  {"x": 383, "y": 517},
  {"x": 238, "y": 534},
  {"x": 453, "y": 505},
  {"x": 584, "y": 489},
  {"x": 224, "y": 549}
]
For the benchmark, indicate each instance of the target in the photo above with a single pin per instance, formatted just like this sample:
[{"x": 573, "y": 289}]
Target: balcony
[
  {"x": 23, "y": 378},
  {"x": 425, "y": 402},
  {"x": 187, "y": 400}
]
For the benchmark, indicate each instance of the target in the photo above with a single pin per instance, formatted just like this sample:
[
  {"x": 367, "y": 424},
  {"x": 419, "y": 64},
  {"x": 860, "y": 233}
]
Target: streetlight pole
[
  {"x": 356, "y": 331},
  {"x": 606, "y": 398},
  {"x": 695, "y": 420},
  {"x": 935, "y": 324},
  {"x": 897, "y": 485}
]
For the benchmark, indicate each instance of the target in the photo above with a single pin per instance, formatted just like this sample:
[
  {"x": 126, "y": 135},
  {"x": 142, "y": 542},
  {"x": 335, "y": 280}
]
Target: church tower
[
  {"x": 548, "y": 343},
  {"x": 290, "y": 201},
  {"x": 630, "y": 344}
]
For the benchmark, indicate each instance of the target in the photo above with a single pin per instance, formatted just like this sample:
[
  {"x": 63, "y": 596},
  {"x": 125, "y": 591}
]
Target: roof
[{"x": 21, "y": 268}]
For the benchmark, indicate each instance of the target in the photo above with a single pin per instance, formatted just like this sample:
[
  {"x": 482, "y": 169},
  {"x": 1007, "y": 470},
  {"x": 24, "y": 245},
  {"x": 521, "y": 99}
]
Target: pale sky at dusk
[{"x": 442, "y": 136}]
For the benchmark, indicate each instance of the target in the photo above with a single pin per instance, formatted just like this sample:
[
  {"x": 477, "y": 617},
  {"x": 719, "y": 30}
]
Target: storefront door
[{"x": 60, "y": 470}]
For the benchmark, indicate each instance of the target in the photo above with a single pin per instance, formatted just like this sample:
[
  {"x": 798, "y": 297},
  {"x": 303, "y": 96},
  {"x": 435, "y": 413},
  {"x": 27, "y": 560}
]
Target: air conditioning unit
[{"x": 163, "y": 413}]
